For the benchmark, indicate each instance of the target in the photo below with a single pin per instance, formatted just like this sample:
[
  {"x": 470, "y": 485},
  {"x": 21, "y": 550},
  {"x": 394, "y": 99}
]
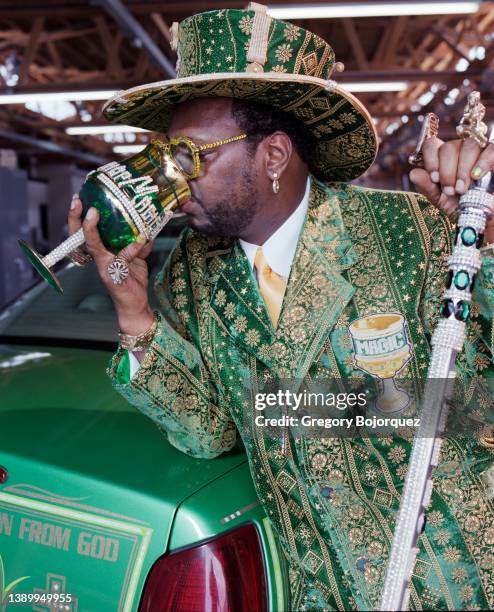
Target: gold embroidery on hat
[
  {"x": 258, "y": 47},
  {"x": 301, "y": 53},
  {"x": 325, "y": 62},
  {"x": 310, "y": 63}
]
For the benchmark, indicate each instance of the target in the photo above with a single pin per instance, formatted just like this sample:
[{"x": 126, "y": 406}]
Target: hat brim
[{"x": 345, "y": 136}]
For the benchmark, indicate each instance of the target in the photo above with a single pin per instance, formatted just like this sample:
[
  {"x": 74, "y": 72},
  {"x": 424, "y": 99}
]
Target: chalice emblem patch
[{"x": 381, "y": 347}]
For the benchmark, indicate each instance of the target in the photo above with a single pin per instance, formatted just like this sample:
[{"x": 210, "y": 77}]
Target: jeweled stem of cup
[{"x": 64, "y": 248}]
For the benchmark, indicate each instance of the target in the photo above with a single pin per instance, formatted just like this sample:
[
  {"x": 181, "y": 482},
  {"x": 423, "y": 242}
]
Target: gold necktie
[{"x": 271, "y": 285}]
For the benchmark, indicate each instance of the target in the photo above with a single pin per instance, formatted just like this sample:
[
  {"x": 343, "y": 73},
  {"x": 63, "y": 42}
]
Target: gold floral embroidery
[
  {"x": 319, "y": 461},
  {"x": 356, "y": 535},
  {"x": 375, "y": 549},
  {"x": 265, "y": 351},
  {"x": 298, "y": 334},
  {"x": 177, "y": 269},
  {"x": 459, "y": 574},
  {"x": 435, "y": 518},
  {"x": 172, "y": 382},
  {"x": 396, "y": 454},
  {"x": 178, "y": 285},
  {"x": 348, "y": 118},
  {"x": 318, "y": 41},
  {"x": 466, "y": 593},
  {"x": 291, "y": 32},
  {"x": 252, "y": 337},
  {"x": 283, "y": 53},
  {"x": 220, "y": 298},
  {"x": 385, "y": 439},
  {"x": 372, "y": 574},
  {"x": 240, "y": 323},
  {"x": 180, "y": 301},
  {"x": 245, "y": 24},
  {"x": 442, "y": 536},
  {"x": 452, "y": 554},
  {"x": 229, "y": 311},
  {"x": 370, "y": 473},
  {"x": 304, "y": 533}
]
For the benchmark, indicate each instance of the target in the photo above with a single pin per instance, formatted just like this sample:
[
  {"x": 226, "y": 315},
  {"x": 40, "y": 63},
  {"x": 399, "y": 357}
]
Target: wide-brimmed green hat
[{"x": 249, "y": 55}]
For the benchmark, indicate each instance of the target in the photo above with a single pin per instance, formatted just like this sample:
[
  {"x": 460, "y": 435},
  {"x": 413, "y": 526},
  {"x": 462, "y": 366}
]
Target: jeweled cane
[{"x": 447, "y": 340}]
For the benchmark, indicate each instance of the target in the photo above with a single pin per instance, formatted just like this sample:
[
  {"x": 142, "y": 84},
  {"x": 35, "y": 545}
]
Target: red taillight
[{"x": 223, "y": 575}]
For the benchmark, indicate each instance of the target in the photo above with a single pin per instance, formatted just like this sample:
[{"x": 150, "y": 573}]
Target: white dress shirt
[{"x": 279, "y": 250}]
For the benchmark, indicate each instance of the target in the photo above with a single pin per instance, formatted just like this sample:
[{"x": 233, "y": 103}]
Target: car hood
[{"x": 80, "y": 458}]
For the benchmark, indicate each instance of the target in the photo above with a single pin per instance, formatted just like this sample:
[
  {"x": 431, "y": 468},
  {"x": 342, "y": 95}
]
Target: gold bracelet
[{"x": 140, "y": 342}]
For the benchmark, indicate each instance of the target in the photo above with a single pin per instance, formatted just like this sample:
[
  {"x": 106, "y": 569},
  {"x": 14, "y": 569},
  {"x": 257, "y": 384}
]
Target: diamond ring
[{"x": 118, "y": 270}]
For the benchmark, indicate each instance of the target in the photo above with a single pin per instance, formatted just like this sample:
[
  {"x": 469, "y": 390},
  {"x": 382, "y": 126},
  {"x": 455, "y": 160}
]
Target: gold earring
[{"x": 276, "y": 183}]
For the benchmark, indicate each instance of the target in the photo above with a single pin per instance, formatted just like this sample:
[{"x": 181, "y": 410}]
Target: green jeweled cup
[{"x": 134, "y": 197}]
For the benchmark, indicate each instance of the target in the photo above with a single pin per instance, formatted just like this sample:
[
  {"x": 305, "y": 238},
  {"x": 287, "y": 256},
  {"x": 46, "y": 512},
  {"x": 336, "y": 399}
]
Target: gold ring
[
  {"x": 430, "y": 128},
  {"x": 471, "y": 124},
  {"x": 79, "y": 257}
]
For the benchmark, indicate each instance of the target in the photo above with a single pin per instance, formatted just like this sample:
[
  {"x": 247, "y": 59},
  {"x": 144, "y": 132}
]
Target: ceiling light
[
  {"x": 123, "y": 149},
  {"x": 9, "y": 70},
  {"x": 375, "y": 86},
  {"x": 371, "y": 9},
  {"x": 392, "y": 127},
  {"x": 425, "y": 98},
  {"x": 58, "y": 110},
  {"x": 68, "y": 96},
  {"x": 119, "y": 137},
  {"x": 90, "y": 130},
  {"x": 462, "y": 64}
]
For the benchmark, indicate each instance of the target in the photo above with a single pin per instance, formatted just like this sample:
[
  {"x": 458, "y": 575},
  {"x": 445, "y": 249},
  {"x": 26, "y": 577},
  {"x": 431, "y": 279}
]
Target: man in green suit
[{"x": 282, "y": 256}]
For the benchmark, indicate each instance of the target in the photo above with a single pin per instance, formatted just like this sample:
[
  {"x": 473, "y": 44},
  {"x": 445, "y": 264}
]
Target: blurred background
[{"x": 60, "y": 59}]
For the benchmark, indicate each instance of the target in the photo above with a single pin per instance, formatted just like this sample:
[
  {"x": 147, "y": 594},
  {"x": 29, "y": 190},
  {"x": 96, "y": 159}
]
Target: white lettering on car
[
  {"x": 6, "y": 523},
  {"x": 46, "y": 534},
  {"x": 97, "y": 546}
]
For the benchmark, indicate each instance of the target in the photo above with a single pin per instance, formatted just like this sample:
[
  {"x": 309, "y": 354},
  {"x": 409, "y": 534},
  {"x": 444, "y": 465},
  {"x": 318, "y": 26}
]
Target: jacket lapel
[
  {"x": 317, "y": 292},
  {"x": 238, "y": 306}
]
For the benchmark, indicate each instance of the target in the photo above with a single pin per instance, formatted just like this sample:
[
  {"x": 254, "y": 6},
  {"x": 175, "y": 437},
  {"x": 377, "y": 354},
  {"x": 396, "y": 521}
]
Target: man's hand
[
  {"x": 449, "y": 168},
  {"x": 131, "y": 297}
]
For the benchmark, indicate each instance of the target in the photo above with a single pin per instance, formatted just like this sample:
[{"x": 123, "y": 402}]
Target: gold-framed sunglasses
[{"x": 187, "y": 154}]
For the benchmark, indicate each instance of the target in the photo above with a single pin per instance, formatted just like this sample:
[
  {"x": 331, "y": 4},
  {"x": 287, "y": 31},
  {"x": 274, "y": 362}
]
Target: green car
[{"x": 98, "y": 512}]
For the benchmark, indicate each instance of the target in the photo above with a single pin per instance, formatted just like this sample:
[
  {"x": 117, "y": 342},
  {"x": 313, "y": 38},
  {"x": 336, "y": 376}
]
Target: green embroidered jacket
[{"x": 333, "y": 501}]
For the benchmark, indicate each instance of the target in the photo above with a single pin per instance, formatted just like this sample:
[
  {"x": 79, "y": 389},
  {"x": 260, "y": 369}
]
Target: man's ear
[{"x": 278, "y": 149}]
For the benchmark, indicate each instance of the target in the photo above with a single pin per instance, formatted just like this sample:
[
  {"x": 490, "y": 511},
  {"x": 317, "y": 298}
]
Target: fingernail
[
  {"x": 72, "y": 204},
  {"x": 449, "y": 191},
  {"x": 91, "y": 214},
  {"x": 140, "y": 239},
  {"x": 478, "y": 172},
  {"x": 460, "y": 186},
  {"x": 435, "y": 176}
]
